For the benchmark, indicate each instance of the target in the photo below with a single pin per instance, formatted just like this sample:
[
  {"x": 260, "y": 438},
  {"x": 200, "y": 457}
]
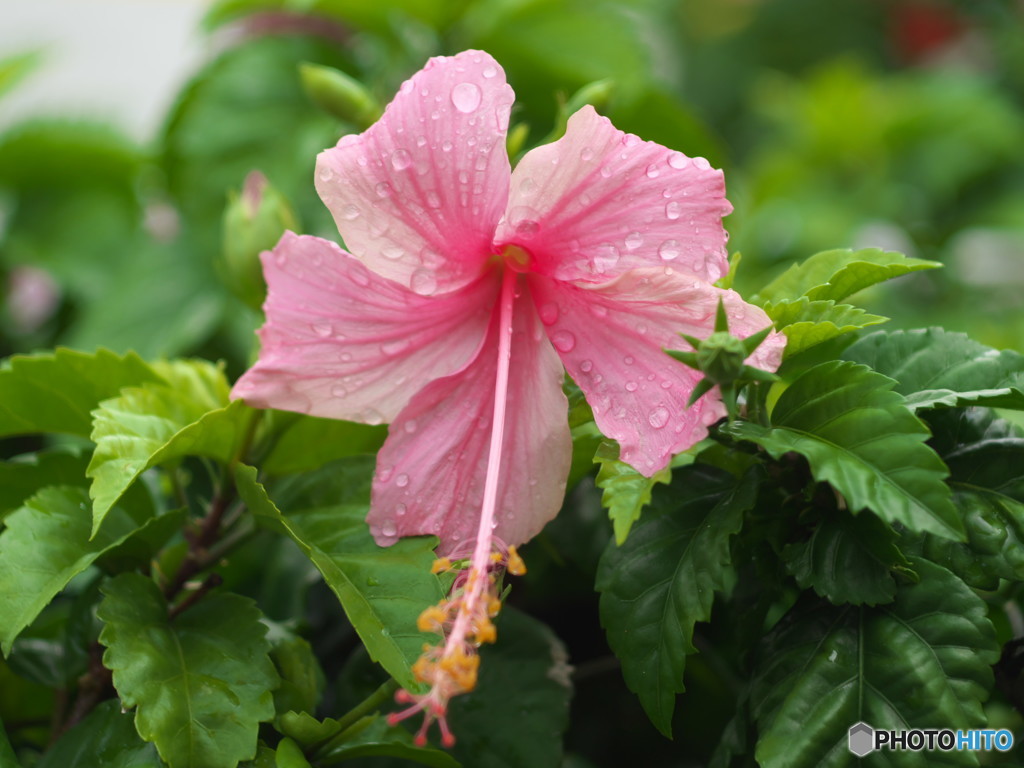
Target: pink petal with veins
[
  {"x": 342, "y": 342},
  {"x": 430, "y": 472},
  {"x": 611, "y": 338},
  {"x": 599, "y": 202},
  {"x": 417, "y": 196}
]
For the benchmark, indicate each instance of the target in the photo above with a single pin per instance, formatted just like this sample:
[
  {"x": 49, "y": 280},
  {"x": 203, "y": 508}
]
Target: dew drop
[
  {"x": 564, "y": 341},
  {"x": 350, "y": 212},
  {"x": 631, "y": 386},
  {"x": 548, "y": 313},
  {"x": 360, "y": 278},
  {"x": 673, "y": 210},
  {"x": 446, "y": 146},
  {"x": 433, "y": 200},
  {"x": 395, "y": 346},
  {"x": 653, "y": 171},
  {"x": 384, "y": 474},
  {"x": 503, "y": 114},
  {"x": 677, "y": 160},
  {"x": 490, "y": 72},
  {"x": 323, "y": 330},
  {"x": 599, "y": 310},
  {"x": 388, "y": 529},
  {"x": 669, "y": 250},
  {"x": 658, "y": 417},
  {"x": 401, "y": 509},
  {"x": 423, "y": 282},
  {"x": 701, "y": 163},
  {"x": 383, "y": 189},
  {"x": 345, "y": 357},
  {"x": 666, "y": 384},
  {"x": 411, "y": 426},
  {"x": 370, "y": 416},
  {"x": 586, "y": 154},
  {"x": 392, "y": 252},
  {"x": 630, "y": 140},
  {"x": 606, "y": 256},
  {"x": 466, "y": 97},
  {"x": 402, "y": 480},
  {"x": 634, "y": 240},
  {"x": 586, "y": 366},
  {"x": 326, "y": 174},
  {"x": 628, "y": 360},
  {"x": 338, "y": 391},
  {"x": 400, "y": 159}
]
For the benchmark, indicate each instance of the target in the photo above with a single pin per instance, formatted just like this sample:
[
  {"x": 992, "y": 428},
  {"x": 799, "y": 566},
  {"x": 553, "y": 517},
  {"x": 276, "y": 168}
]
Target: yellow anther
[
  {"x": 496, "y": 557},
  {"x": 441, "y": 565},
  {"x": 486, "y": 633},
  {"x": 493, "y": 606},
  {"x": 432, "y": 619},
  {"x": 516, "y": 566}
]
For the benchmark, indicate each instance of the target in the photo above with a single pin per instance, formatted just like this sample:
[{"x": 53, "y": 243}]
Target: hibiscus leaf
[
  {"x": 44, "y": 545},
  {"x": 373, "y": 737},
  {"x": 383, "y": 590},
  {"x": 523, "y": 688},
  {"x": 848, "y": 559},
  {"x": 302, "y": 679},
  {"x": 921, "y": 660},
  {"x": 308, "y": 442},
  {"x": 858, "y": 435},
  {"x": 54, "y": 392},
  {"x": 155, "y": 423},
  {"x": 201, "y": 681},
  {"x": 807, "y": 323},
  {"x": 840, "y": 273},
  {"x": 364, "y": 14},
  {"x": 106, "y": 738},
  {"x": 24, "y": 475},
  {"x": 625, "y": 491},
  {"x": 662, "y": 580},
  {"x": 937, "y": 368},
  {"x": 7, "y": 757}
]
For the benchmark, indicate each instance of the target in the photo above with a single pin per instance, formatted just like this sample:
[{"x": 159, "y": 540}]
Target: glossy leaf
[
  {"x": 625, "y": 491},
  {"x": 523, "y": 688},
  {"x": 45, "y": 544},
  {"x": 308, "y": 442},
  {"x": 302, "y": 679},
  {"x": 201, "y": 682},
  {"x": 55, "y": 392},
  {"x": 807, "y": 323},
  {"x": 848, "y": 559},
  {"x": 105, "y": 739},
  {"x": 922, "y": 661},
  {"x": 858, "y": 435},
  {"x": 939, "y": 368},
  {"x": 372, "y": 737},
  {"x": 663, "y": 579},
  {"x": 155, "y": 423},
  {"x": 834, "y": 275},
  {"x": 383, "y": 590}
]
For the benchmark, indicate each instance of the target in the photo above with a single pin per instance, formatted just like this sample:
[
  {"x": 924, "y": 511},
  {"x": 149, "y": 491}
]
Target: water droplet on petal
[
  {"x": 701, "y": 163},
  {"x": 392, "y": 252},
  {"x": 384, "y": 474},
  {"x": 669, "y": 250},
  {"x": 338, "y": 391},
  {"x": 466, "y": 97},
  {"x": 599, "y": 310},
  {"x": 395, "y": 346},
  {"x": 388, "y": 529},
  {"x": 658, "y": 417},
  {"x": 564, "y": 341},
  {"x": 401, "y": 509},
  {"x": 402, "y": 480},
  {"x": 634, "y": 240},
  {"x": 490, "y": 72},
  {"x": 383, "y": 189},
  {"x": 628, "y": 360},
  {"x": 673, "y": 210},
  {"x": 630, "y": 140},
  {"x": 400, "y": 159},
  {"x": 678, "y": 160},
  {"x": 410, "y": 426},
  {"x": 323, "y": 330},
  {"x": 653, "y": 171},
  {"x": 446, "y": 146},
  {"x": 370, "y": 416},
  {"x": 502, "y": 114},
  {"x": 360, "y": 278},
  {"x": 631, "y": 386},
  {"x": 606, "y": 256},
  {"x": 350, "y": 212},
  {"x": 586, "y": 154},
  {"x": 423, "y": 282},
  {"x": 326, "y": 174},
  {"x": 586, "y": 366},
  {"x": 548, "y": 313}
]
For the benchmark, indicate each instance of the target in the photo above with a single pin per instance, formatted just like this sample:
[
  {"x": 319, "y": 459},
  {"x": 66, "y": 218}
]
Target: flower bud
[
  {"x": 720, "y": 356},
  {"x": 253, "y": 222},
  {"x": 340, "y": 95}
]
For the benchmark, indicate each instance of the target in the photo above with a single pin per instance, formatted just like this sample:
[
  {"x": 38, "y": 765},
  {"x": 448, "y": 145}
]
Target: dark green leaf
[
  {"x": 155, "y": 423},
  {"x": 201, "y": 682},
  {"x": 523, "y": 688},
  {"x": 7, "y": 756},
  {"x": 935, "y": 367},
  {"x": 105, "y": 739},
  {"x": 383, "y": 590},
  {"x": 307, "y": 442},
  {"x": 921, "y": 662},
  {"x": 23, "y": 476},
  {"x": 848, "y": 559},
  {"x": 834, "y": 275},
  {"x": 374, "y": 738},
  {"x": 306, "y": 729},
  {"x": 364, "y": 14},
  {"x": 662, "y": 580},
  {"x": 858, "y": 435},
  {"x": 807, "y": 323},
  {"x": 626, "y": 491},
  {"x": 55, "y": 392},
  {"x": 45, "y": 544},
  {"x": 302, "y": 680}
]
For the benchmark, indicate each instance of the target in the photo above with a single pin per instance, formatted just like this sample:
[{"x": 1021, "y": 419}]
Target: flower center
[{"x": 516, "y": 258}]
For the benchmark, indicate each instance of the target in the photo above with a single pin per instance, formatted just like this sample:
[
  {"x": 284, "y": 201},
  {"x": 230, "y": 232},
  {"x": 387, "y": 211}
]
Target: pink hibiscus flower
[{"x": 465, "y": 293}]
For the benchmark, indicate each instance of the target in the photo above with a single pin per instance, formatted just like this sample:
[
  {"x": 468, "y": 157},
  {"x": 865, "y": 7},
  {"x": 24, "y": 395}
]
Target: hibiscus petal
[
  {"x": 417, "y": 196},
  {"x": 611, "y": 338},
  {"x": 599, "y": 202},
  {"x": 342, "y": 342},
  {"x": 430, "y": 471}
]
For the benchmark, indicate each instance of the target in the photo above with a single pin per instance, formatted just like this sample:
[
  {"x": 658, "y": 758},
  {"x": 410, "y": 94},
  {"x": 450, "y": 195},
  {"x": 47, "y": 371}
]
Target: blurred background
[{"x": 125, "y": 127}]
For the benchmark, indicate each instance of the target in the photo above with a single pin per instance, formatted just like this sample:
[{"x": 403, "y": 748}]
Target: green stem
[{"x": 367, "y": 706}]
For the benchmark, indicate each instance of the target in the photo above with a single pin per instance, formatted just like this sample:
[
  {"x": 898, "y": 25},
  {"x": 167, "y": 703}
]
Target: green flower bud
[
  {"x": 340, "y": 95},
  {"x": 253, "y": 222},
  {"x": 720, "y": 356}
]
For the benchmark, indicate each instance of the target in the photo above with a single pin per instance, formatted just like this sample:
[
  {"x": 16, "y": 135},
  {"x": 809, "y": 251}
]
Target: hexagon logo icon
[{"x": 862, "y": 739}]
